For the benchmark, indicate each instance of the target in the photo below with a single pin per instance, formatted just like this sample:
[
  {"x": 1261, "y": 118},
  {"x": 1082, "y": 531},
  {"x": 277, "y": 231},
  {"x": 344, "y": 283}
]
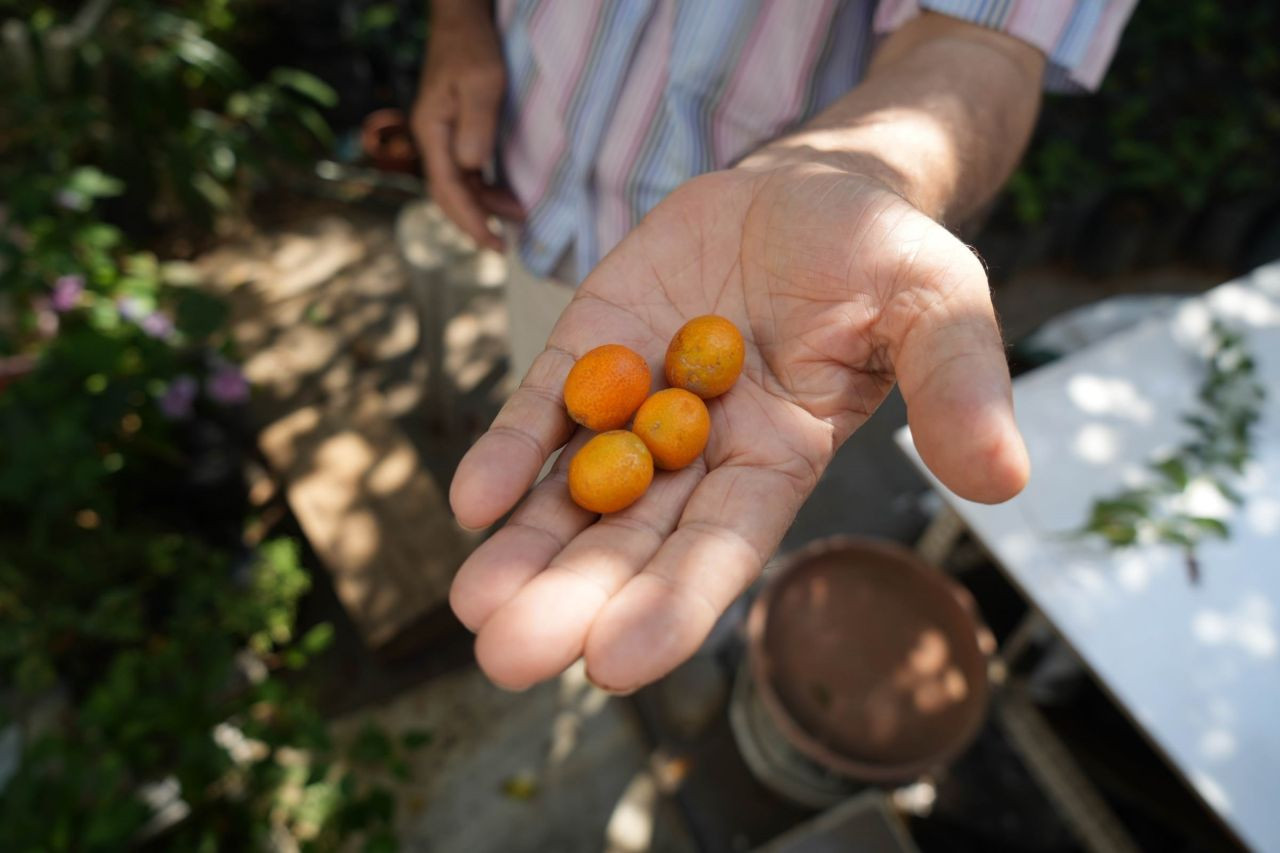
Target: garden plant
[{"x": 149, "y": 648}]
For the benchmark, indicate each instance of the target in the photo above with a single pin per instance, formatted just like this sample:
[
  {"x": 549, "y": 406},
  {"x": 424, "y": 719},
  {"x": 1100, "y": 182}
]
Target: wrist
[
  {"x": 941, "y": 117},
  {"x": 884, "y": 150},
  {"x": 449, "y": 14}
]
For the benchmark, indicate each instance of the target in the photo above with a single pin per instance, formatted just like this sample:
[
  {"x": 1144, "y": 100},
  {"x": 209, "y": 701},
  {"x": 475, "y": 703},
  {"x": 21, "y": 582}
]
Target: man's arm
[
  {"x": 455, "y": 118},
  {"x": 825, "y": 249},
  {"x": 943, "y": 116}
]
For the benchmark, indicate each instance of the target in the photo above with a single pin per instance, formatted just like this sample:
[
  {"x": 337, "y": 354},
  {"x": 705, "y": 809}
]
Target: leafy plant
[
  {"x": 174, "y": 659},
  {"x": 1230, "y": 400},
  {"x": 149, "y": 93},
  {"x": 147, "y": 645},
  {"x": 1186, "y": 113},
  {"x": 117, "y": 353}
]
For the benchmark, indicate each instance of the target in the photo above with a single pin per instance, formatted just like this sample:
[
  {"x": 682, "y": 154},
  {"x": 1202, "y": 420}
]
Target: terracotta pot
[
  {"x": 386, "y": 140},
  {"x": 773, "y": 760},
  {"x": 868, "y": 662}
]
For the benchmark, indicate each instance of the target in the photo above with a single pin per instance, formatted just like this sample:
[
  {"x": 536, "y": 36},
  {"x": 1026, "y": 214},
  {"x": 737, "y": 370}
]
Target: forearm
[
  {"x": 943, "y": 116},
  {"x": 457, "y": 11}
]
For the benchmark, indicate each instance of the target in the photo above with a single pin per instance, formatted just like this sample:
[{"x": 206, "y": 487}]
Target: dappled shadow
[{"x": 332, "y": 340}]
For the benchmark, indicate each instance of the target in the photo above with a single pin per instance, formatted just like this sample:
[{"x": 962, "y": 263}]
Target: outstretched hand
[{"x": 840, "y": 288}]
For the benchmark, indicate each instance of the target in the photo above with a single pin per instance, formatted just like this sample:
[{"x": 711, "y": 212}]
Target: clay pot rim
[{"x": 791, "y": 730}]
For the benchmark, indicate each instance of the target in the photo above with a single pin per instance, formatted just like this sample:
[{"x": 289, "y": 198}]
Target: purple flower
[
  {"x": 67, "y": 290},
  {"x": 157, "y": 325},
  {"x": 227, "y": 385},
  {"x": 177, "y": 400}
]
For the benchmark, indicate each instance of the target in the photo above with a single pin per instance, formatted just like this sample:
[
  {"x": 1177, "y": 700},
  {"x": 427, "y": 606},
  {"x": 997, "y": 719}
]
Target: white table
[{"x": 1197, "y": 667}]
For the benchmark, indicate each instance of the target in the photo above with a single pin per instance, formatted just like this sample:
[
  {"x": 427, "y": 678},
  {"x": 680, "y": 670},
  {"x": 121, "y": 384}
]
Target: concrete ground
[{"x": 561, "y": 767}]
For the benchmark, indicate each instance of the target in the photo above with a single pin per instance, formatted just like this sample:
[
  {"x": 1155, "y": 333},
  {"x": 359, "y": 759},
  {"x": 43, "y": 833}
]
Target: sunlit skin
[{"x": 825, "y": 251}]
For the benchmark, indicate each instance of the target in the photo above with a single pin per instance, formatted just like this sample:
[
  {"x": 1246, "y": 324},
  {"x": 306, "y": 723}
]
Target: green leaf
[
  {"x": 1119, "y": 534},
  {"x": 200, "y": 314},
  {"x": 1229, "y": 493},
  {"x": 380, "y": 804},
  {"x": 1212, "y": 526},
  {"x": 212, "y": 191},
  {"x": 315, "y": 124},
  {"x": 377, "y": 17},
  {"x": 222, "y": 162},
  {"x": 99, "y": 236},
  {"x": 239, "y": 105},
  {"x": 1174, "y": 470},
  {"x": 371, "y": 745},
  {"x": 383, "y": 841},
  {"x": 34, "y": 673},
  {"x": 316, "y": 640},
  {"x": 1175, "y": 535},
  {"x": 92, "y": 182},
  {"x": 416, "y": 738},
  {"x": 207, "y": 57},
  {"x": 308, "y": 85},
  {"x": 1199, "y": 422},
  {"x": 1129, "y": 504}
]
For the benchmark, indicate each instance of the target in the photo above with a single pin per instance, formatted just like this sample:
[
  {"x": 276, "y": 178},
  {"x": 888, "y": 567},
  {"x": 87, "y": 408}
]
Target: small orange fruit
[
  {"x": 674, "y": 425},
  {"x": 705, "y": 356},
  {"x": 610, "y": 472},
  {"x": 606, "y": 386}
]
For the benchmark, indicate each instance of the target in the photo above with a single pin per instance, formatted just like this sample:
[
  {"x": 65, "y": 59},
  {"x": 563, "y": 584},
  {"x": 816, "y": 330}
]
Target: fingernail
[{"x": 611, "y": 691}]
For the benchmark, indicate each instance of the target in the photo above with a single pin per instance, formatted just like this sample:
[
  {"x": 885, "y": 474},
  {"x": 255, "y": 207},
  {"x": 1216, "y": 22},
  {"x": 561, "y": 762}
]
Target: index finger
[
  {"x": 502, "y": 465},
  {"x": 448, "y": 185}
]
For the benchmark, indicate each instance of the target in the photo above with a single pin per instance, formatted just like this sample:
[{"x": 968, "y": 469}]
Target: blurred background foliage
[
  {"x": 153, "y": 95},
  {"x": 149, "y": 648},
  {"x": 1190, "y": 110},
  {"x": 1173, "y": 160}
]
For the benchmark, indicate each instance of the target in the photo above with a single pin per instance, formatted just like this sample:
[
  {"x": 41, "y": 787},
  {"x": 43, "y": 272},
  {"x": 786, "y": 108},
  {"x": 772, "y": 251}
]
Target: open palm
[{"x": 840, "y": 288}]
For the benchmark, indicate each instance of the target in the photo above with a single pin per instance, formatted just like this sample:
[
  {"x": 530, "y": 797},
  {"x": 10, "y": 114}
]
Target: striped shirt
[{"x": 611, "y": 104}]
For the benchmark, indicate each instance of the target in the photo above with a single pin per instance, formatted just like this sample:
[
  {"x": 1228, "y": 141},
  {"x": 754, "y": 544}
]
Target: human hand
[
  {"x": 840, "y": 287},
  {"x": 455, "y": 118}
]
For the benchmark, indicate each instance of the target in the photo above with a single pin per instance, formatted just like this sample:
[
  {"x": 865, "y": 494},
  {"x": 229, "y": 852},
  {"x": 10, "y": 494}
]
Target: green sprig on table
[{"x": 1229, "y": 405}]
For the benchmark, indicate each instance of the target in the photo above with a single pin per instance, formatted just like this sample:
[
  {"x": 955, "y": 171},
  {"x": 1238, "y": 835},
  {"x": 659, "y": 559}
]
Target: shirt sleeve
[{"x": 1079, "y": 37}]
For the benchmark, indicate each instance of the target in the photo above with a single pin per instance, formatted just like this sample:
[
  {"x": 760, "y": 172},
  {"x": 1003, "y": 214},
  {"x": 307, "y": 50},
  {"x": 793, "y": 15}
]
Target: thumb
[{"x": 950, "y": 364}]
